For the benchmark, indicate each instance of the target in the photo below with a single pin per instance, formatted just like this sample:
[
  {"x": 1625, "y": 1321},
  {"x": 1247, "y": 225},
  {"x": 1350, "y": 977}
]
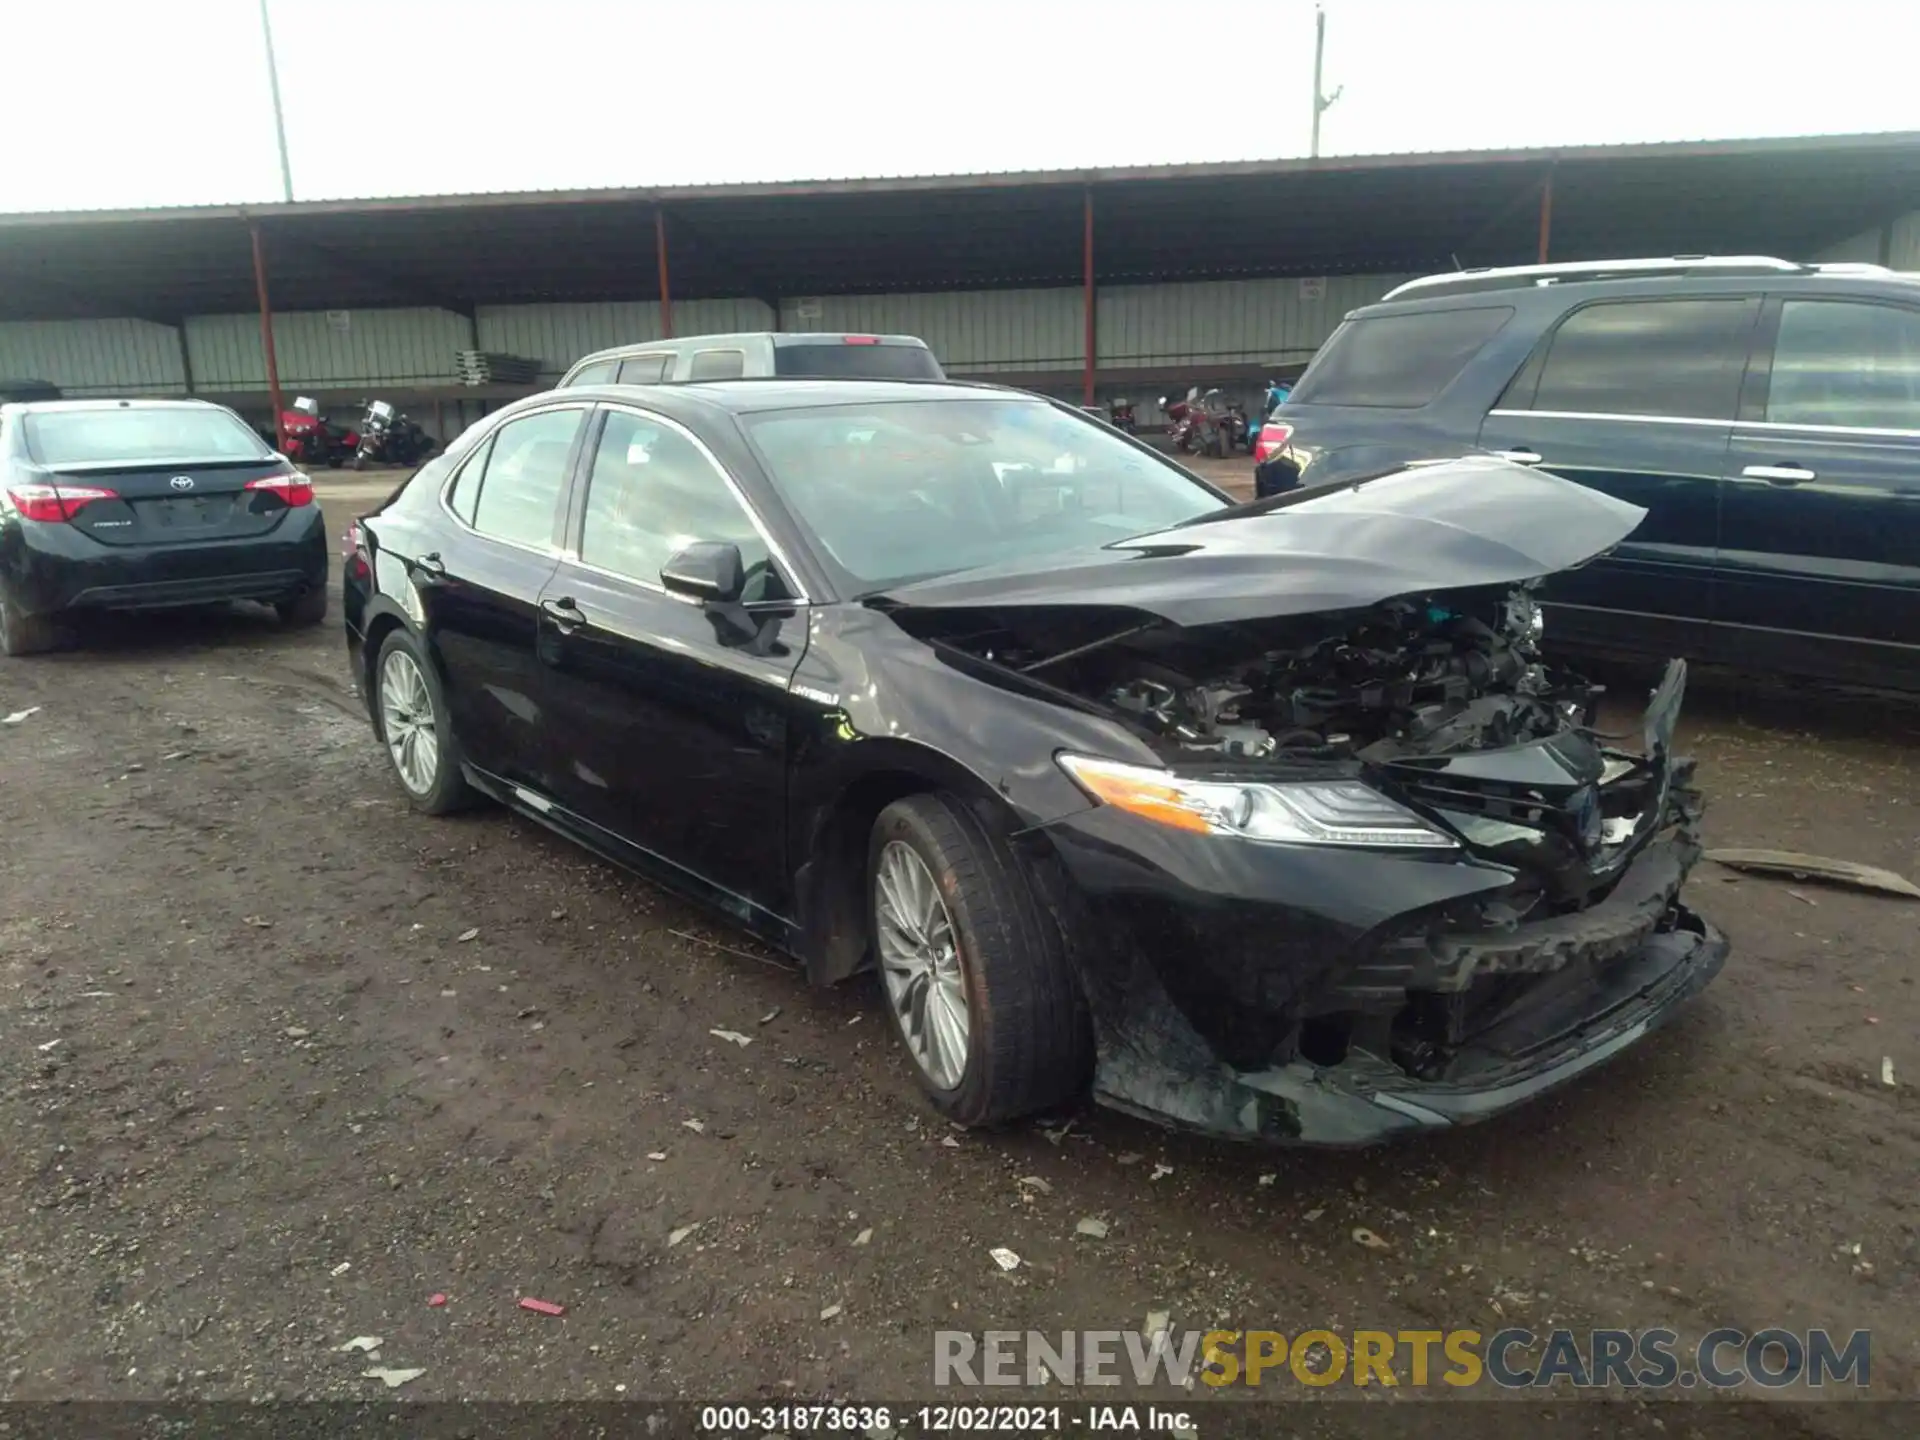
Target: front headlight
[{"x": 1316, "y": 812}]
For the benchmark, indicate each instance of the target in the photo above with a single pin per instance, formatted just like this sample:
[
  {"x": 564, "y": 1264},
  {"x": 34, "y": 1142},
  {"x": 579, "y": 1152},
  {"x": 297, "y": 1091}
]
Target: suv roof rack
[{"x": 1515, "y": 277}]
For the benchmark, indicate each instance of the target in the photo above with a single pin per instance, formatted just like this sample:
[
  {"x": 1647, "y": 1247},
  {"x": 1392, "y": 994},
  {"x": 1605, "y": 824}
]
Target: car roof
[
  {"x": 36, "y": 407},
  {"x": 742, "y": 397}
]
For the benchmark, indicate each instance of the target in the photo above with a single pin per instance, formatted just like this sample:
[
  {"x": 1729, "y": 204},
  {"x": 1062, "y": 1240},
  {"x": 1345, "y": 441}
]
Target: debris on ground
[
  {"x": 17, "y": 716},
  {"x": 733, "y": 950},
  {"x": 436, "y": 1300},
  {"x": 1093, "y": 1226},
  {"x": 1054, "y": 1137},
  {"x": 1035, "y": 1184},
  {"x": 341, "y": 1269},
  {"x": 1366, "y": 1237},
  {"x": 771, "y": 1016},
  {"x": 1159, "y": 1322},
  {"x": 1314, "y": 1214},
  {"x": 674, "y": 1237},
  {"x": 830, "y": 1311},
  {"x": 50, "y": 1044},
  {"x": 296, "y": 1032},
  {"x": 1886, "y": 1070},
  {"x": 656, "y": 1155},
  {"x": 949, "y": 1142},
  {"x": 466, "y": 935},
  {"x": 1005, "y": 1258},
  {"x": 733, "y": 1036},
  {"x": 1132, "y": 1157},
  {"x": 1160, "y": 1172},
  {"x": 864, "y": 1237},
  {"x": 541, "y": 1307},
  {"x": 368, "y": 1343},
  {"x": 698, "y": 1127},
  {"x": 1268, "y": 1178},
  {"x": 1816, "y": 867},
  {"x": 258, "y": 922},
  {"x": 392, "y": 1379}
]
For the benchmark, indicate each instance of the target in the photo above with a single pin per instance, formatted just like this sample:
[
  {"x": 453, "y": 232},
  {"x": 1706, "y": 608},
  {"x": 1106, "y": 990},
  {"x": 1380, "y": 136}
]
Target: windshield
[
  {"x": 79, "y": 437},
  {"x": 905, "y": 491}
]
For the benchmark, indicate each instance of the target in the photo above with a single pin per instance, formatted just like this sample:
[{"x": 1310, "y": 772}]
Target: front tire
[
  {"x": 972, "y": 970},
  {"x": 23, "y": 634},
  {"x": 412, "y": 712}
]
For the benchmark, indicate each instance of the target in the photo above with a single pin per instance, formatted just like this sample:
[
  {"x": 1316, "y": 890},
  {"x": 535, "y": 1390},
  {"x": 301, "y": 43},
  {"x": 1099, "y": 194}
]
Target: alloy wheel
[
  {"x": 920, "y": 964},
  {"x": 406, "y": 714}
]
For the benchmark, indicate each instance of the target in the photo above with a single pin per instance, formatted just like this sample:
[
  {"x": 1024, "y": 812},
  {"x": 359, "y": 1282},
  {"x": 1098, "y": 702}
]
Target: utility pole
[
  {"x": 279, "y": 119},
  {"x": 1322, "y": 101}
]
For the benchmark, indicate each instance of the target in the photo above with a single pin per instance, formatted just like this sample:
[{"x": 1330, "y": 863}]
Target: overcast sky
[{"x": 140, "y": 103}]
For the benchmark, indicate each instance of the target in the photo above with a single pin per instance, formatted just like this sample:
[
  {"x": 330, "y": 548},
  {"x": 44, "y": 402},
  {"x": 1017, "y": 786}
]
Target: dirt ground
[{"x": 282, "y": 1060}]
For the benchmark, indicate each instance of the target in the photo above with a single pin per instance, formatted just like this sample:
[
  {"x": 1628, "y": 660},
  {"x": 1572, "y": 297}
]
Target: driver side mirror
[{"x": 710, "y": 571}]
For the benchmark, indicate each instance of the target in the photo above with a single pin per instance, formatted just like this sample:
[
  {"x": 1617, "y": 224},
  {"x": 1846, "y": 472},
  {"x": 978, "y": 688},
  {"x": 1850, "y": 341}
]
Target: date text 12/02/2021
[{"x": 726, "y": 1420}]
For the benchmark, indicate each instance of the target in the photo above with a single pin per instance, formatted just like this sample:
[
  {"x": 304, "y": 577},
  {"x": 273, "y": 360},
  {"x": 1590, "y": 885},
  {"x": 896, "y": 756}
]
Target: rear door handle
[
  {"x": 566, "y": 615},
  {"x": 430, "y": 566},
  {"x": 1779, "y": 474},
  {"x": 1518, "y": 457}
]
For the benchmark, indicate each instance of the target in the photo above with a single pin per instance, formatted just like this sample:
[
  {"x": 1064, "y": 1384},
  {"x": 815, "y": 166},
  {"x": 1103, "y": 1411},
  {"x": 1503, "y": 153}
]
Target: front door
[
  {"x": 1636, "y": 398},
  {"x": 479, "y": 594},
  {"x": 671, "y": 718},
  {"x": 1820, "y": 525}
]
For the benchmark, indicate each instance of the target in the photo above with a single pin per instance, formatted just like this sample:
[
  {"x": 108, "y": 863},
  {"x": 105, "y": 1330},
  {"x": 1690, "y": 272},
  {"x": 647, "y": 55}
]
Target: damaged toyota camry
[{"x": 1268, "y": 821}]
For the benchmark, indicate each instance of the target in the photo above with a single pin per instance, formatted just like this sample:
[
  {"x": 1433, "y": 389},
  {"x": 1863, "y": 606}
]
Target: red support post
[
  {"x": 266, "y": 335},
  {"x": 1546, "y": 214},
  {"x": 666, "y": 294},
  {"x": 1086, "y": 397}
]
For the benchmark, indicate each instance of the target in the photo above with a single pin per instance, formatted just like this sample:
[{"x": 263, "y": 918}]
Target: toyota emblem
[{"x": 181, "y": 482}]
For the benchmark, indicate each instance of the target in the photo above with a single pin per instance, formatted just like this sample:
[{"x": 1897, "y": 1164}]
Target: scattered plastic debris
[
  {"x": 1886, "y": 1070},
  {"x": 864, "y": 1237},
  {"x": 296, "y": 1032},
  {"x": 1816, "y": 867},
  {"x": 341, "y": 1269},
  {"x": 1035, "y": 1184},
  {"x": 392, "y": 1379},
  {"x": 466, "y": 935},
  {"x": 698, "y": 1127},
  {"x": 258, "y": 922},
  {"x": 1159, "y": 1322},
  {"x": 676, "y": 1236},
  {"x": 1366, "y": 1237},
  {"x": 949, "y": 1142},
  {"x": 448, "y": 994},
  {"x": 1054, "y": 1137},
  {"x": 436, "y": 1300},
  {"x": 1268, "y": 1178},
  {"x": 771, "y": 1016},
  {"x": 541, "y": 1307},
  {"x": 830, "y": 1312},
  {"x": 734, "y": 1036},
  {"x": 1005, "y": 1258},
  {"x": 1314, "y": 1214},
  {"x": 50, "y": 1044},
  {"x": 1803, "y": 898},
  {"x": 1097, "y": 1228},
  {"x": 1132, "y": 1157},
  {"x": 1160, "y": 1172},
  {"x": 656, "y": 1155},
  {"x": 17, "y": 716},
  {"x": 368, "y": 1343}
]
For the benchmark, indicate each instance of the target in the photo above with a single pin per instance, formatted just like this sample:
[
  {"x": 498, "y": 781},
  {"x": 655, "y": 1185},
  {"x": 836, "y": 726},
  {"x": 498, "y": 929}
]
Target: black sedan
[
  {"x": 1262, "y": 820},
  {"x": 147, "y": 504}
]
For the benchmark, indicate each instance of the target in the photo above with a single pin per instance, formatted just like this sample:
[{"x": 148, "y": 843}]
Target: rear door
[
  {"x": 1819, "y": 566},
  {"x": 1636, "y": 398},
  {"x": 479, "y": 593}
]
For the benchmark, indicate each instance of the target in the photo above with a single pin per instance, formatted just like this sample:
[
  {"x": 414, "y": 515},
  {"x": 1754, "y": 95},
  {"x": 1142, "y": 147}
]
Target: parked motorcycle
[
  {"x": 307, "y": 438},
  {"x": 1277, "y": 392},
  {"x": 1183, "y": 420},
  {"x": 1120, "y": 415},
  {"x": 1219, "y": 426},
  {"x": 390, "y": 437}
]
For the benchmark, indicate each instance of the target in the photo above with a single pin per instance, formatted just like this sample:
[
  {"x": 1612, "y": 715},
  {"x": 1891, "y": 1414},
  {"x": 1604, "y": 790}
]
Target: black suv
[{"x": 1766, "y": 414}]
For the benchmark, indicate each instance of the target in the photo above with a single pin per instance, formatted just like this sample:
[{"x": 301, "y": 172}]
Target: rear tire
[
  {"x": 307, "y": 608},
  {"x": 1028, "y": 1042},
  {"x": 23, "y": 634},
  {"x": 411, "y": 710}
]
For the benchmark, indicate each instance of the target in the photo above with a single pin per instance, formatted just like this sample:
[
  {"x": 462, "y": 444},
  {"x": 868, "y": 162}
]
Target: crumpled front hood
[{"x": 1446, "y": 526}]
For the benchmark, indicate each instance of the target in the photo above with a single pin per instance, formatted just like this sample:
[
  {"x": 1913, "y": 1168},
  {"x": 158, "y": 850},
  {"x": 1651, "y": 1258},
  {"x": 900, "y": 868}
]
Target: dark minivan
[{"x": 1765, "y": 413}]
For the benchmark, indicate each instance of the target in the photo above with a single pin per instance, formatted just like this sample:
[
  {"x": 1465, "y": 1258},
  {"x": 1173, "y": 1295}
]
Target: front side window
[
  {"x": 717, "y": 365},
  {"x": 1850, "y": 363},
  {"x": 1398, "y": 362},
  {"x": 524, "y": 472},
  {"x": 644, "y": 369},
  {"x": 652, "y": 493},
  {"x": 913, "y": 489},
  {"x": 160, "y": 434},
  {"x": 1676, "y": 358}
]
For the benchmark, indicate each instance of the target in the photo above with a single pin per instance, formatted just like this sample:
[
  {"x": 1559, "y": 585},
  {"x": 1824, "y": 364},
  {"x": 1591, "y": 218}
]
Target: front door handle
[
  {"x": 1518, "y": 457},
  {"x": 566, "y": 615},
  {"x": 1779, "y": 474}
]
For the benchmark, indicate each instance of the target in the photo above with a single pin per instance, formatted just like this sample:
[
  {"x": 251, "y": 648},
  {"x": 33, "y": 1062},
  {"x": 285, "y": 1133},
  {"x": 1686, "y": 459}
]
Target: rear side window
[
  {"x": 164, "y": 433},
  {"x": 837, "y": 360},
  {"x": 599, "y": 373},
  {"x": 1678, "y": 358},
  {"x": 644, "y": 369},
  {"x": 717, "y": 365},
  {"x": 525, "y": 471},
  {"x": 1846, "y": 363},
  {"x": 1397, "y": 362}
]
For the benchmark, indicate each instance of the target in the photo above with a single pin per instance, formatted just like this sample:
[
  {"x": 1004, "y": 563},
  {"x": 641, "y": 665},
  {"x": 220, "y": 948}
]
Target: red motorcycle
[
  {"x": 1183, "y": 418},
  {"x": 307, "y": 439}
]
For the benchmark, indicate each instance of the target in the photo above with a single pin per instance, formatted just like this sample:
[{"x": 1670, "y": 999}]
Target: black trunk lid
[{"x": 176, "y": 503}]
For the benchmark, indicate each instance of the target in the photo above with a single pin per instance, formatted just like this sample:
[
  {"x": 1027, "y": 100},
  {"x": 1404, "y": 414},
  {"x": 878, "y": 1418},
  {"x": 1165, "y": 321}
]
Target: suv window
[
  {"x": 717, "y": 365},
  {"x": 600, "y": 373},
  {"x": 524, "y": 470},
  {"x": 1849, "y": 363},
  {"x": 1678, "y": 358},
  {"x": 645, "y": 369},
  {"x": 839, "y": 359},
  {"x": 652, "y": 494},
  {"x": 1397, "y": 362}
]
